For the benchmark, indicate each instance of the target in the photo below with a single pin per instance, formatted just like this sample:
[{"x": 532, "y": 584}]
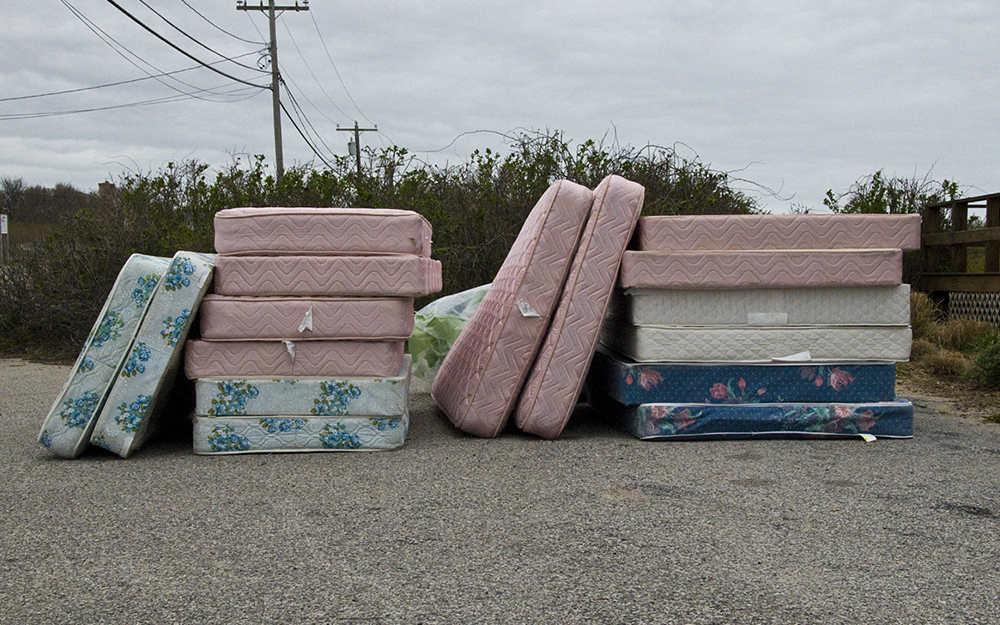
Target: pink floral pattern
[{"x": 649, "y": 378}]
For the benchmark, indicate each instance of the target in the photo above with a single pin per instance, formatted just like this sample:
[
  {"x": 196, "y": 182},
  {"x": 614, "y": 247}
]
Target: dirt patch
[{"x": 954, "y": 395}]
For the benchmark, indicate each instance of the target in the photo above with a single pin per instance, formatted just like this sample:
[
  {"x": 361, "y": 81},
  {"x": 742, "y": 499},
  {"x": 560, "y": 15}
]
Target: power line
[
  {"x": 306, "y": 63},
  {"x": 305, "y": 138},
  {"x": 242, "y": 91},
  {"x": 304, "y": 119},
  {"x": 256, "y": 43},
  {"x": 336, "y": 71}
]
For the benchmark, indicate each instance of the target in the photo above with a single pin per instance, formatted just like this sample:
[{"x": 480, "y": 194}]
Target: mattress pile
[
  {"x": 745, "y": 325},
  {"x": 301, "y": 343}
]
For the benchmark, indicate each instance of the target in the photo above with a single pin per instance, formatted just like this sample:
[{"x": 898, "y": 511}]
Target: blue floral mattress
[
  {"x": 370, "y": 396},
  {"x": 632, "y": 383},
  {"x": 67, "y": 428},
  {"x": 787, "y": 420},
  {"x": 126, "y": 419},
  {"x": 247, "y": 435}
]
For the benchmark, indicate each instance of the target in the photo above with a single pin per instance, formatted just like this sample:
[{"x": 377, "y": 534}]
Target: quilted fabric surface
[
  {"x": 228, "y": 359},
  {"x": 755, "y": 268},
  {"x": 299, "y": 318},
  {"x": 733, "y": 307},
  {"x": 557, "y": 376},
  {"x": 355, "y": 231},
  {"x": 325, "y": 276},
  {"x": 482, "y": 374},
  {"x": 248, "y": 435},
  {"x": 777, "y": 232}
]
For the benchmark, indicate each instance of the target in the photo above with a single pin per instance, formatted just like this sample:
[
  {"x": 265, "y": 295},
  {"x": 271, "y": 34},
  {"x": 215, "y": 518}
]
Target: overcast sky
[{"x": 794, "y": 96}]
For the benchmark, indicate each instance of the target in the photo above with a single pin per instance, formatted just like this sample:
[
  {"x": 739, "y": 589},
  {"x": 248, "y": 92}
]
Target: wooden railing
[{"x": 945, "y": 254}]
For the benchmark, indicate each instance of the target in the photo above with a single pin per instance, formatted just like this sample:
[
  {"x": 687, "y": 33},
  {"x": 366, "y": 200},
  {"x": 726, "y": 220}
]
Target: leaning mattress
[
  {"x": 247, "y": 435},
  {"x": 633, "y": 383},
  {"x": 349, "y": 395},
  {"x": 823, "y": 343},
  {"x": 128, "y": 417},
  {"x": 325, "y": 276},
  {"x": 291, "y": 359},
  {"x": 255, "y": 231},
  {"x": 792, "y": 420},
  {"x": 68, "y": 426},
  {"x": 761, "y": 268},
  {"x": 760, "y": 307},
  {"x": 301, "y": 318},
  {"x": 777, "y": 232},
  {"x": 557, "y": 376},
  {"x": 482, "y": 374}
]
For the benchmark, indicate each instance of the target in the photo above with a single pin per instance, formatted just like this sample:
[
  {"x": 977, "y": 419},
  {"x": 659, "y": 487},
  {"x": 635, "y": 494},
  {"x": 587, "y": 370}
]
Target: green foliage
[
  {"x": 987, "y": 367},
  {"x": 878, "y": 193},
  {"x": 54, "y": 288}
]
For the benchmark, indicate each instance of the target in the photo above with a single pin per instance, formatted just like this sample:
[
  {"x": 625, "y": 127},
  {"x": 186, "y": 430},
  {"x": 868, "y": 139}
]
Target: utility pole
[
  {"x": 241, "y": 5},
  {"x": 355, "y": 147}
]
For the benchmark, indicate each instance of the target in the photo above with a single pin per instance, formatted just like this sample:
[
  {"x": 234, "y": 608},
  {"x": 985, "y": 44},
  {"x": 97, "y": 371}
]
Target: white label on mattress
[
  {"x": 526, "y": 309},
  {"x": 767, "y": 319},
  {"x": 307, "y": 321},
  {"x": 290, "y": 346},
  {"x": 799, "y": 357},
  {"x": 868, "y": 437}
]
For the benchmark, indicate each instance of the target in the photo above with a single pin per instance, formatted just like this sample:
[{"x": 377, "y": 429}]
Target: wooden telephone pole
[
  {"x": 355, "y": 146},
  {"x": 241, "y": 5}
]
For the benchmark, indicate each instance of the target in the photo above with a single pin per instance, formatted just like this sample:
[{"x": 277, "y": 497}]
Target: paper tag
[
  {"x": 767, "y": 319},
  {"x": 526, "y": 309},
  {"x": 290, "y": 346},
  {"x": 799, "y": 357},
  {"x": 307, "y": 321},
  {"x": 868, "y": 437}
]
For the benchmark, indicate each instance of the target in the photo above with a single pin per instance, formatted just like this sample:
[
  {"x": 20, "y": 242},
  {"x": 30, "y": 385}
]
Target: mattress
[
  {"x": 482, "y": 374},
  {"x": 632, "y": 383},
  {"x": 792, "y": 420},
  {"x": 823, "y": 343},
  {"x": 757, "y": 268},
  {"x": 67, "y": 428},
  {"x": 300, "y": 318},
  {"x": 291, "y": 359},
  {"x": 557, "y": 375},
  {"x": 261, "y": 397},
  {"x": 765, "y": 307},
  {"x": 247, "y": 435},
  {"x": 324, "y": 276},
  {"x": 777, "y": 232},
  {"x": 357, "y": 231},
  {"x": 129, "y": 416}
]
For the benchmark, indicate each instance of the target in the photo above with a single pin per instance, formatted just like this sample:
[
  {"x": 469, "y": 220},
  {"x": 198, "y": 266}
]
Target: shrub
[
  {"x": 987, "y": 363},
  {"x": 961, "y": 334},
  {"x": 923, "y": 315}
]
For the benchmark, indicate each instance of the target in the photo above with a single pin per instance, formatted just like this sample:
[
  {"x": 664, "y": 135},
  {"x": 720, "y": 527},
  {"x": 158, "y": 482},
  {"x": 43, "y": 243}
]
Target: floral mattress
[
  {"x": 354, "y": 231},
  {"x": 128, "y": 416},
  {"x": 632, "y": 383},
  {"x": 69, "y": 424}
]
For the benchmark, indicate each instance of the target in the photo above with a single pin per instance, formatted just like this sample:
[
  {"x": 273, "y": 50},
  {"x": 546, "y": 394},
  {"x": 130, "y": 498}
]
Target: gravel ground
[{"x": 596, "y": 527}]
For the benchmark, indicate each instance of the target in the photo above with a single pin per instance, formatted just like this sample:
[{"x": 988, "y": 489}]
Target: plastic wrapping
[{"x": 437, "y": 325}]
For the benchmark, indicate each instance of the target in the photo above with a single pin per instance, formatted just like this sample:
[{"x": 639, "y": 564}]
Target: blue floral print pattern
[
  {"x": 173, "y": 326},
  {"x": 334, "y": 397},
  {"x": 668, "y": 421},
  {"x": 273, "y": 426},
  {"x": 144, "y": 289},
  {"x": 384, "y": 423},
  {"x": 110, "y": 328},
  {"x": 45, "y": 439},
  {"x": 179, "y": 274},
  {"x": 224, "y": 438},
  {"x": 130, "y": 415},
  {"x": 833, "y": 419},
  {"x": 334, "y": 436},
  {"x": 135, "y": 363},
  {"x": 76, "y": 413},
  {"x": 85, "y": 365},
  {"x": 232, "y": 398}
]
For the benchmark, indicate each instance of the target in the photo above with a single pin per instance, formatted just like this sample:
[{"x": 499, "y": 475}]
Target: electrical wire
[
  {"x": 336, "y": 71},
  {"x": 304, "y": 119},
  {"x": 304, "y": 138},
  {"x": 318, "y": 83},
  {"x": 217, "y": 27}
]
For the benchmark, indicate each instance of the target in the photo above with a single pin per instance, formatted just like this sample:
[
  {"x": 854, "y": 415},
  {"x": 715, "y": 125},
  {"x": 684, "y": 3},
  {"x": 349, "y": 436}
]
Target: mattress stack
[
  {"x": 301, "y": 345},
  {"x": 745, "y": 325}
]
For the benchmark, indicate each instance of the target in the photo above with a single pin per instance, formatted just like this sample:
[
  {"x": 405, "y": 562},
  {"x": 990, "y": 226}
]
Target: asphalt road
[{"x": 596, "y": 527}]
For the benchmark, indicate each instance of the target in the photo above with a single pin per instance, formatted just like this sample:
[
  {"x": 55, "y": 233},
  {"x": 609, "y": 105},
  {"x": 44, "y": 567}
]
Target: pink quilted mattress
[
  {"x": 556, "y": 378},
  {"x": 481, "y": 376},
  {"x": 320, "y": 276},
  {"x": 777, "y": 232},
  {"x": 263, "y": 231},
  {"x": 240, "y": 359},
  {"x": 747, "y": 269},
  {"x": 298, "y": 318}
]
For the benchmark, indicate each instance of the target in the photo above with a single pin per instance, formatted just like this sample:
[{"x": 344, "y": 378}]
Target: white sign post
[{"x": 3, "y": 238}]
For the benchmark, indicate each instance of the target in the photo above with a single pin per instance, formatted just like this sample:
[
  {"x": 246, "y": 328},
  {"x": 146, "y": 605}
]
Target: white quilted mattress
[
  {"x": 777, "y": 232},
  {"x": 726, "y": 344},
  {"x": 855, "y": 306},
  {"x": 357, "y": 231},
  {"x": 302, "y": 318},
  {"x": 757, "y": 268},
  {"x": 290, "y": 359},
  {"x": 324, "y": 276}
]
